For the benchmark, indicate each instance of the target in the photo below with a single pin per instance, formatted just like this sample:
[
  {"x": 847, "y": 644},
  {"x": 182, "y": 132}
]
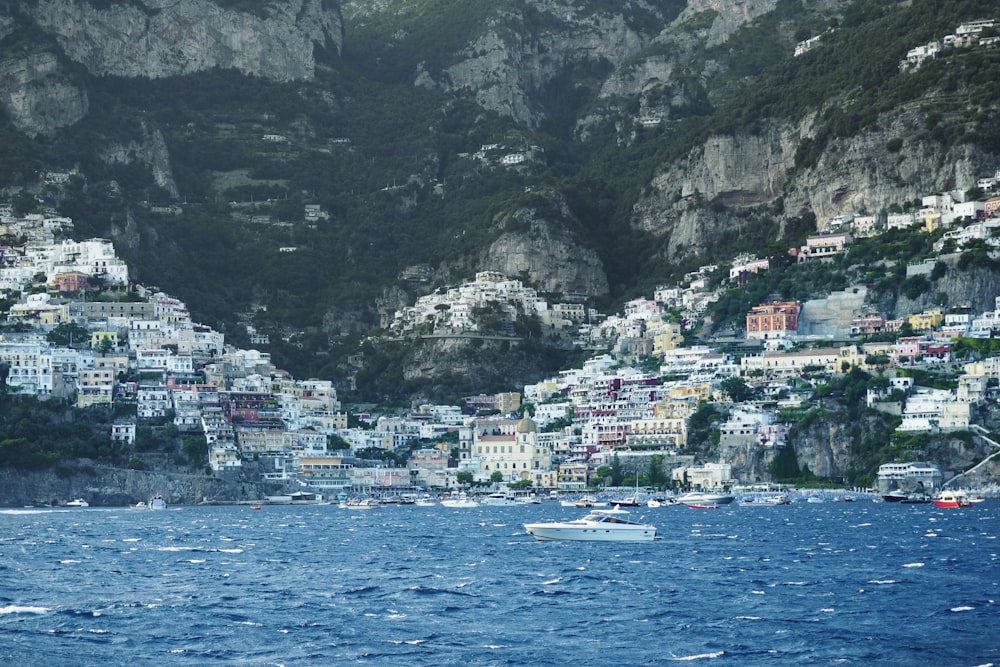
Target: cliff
[
  {"x": 101, "y": 485},
  {"x": 536, "y": 245},
  {"x": 851, "y": 175},
  {"x": 160, "y": 38},
  {"x": 38, "y": 94},
  {"x": 151, "y": 39}
]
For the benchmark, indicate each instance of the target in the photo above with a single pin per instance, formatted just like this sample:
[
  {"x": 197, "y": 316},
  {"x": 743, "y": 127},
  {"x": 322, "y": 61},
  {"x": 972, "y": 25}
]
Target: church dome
[{"x": 526, "y": 425}]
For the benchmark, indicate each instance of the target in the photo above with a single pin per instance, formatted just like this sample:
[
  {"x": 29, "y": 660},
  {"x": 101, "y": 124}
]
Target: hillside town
[{"x": 78, "y": 330}]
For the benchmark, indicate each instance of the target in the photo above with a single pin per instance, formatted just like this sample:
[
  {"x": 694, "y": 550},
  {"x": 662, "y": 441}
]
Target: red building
[
  {"x": 74, "y": 281},
  {"x": 773, "y": 320}
]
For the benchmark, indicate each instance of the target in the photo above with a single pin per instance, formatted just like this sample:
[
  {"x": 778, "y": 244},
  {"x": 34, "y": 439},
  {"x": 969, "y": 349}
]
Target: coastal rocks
[
  {"x": 102, "y": 485},
  {"x": 38, "y": 95},
  {"x": 161, "y": 38}
]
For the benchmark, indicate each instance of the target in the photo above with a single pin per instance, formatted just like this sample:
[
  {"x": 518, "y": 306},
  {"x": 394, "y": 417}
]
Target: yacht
[
  {"x": 79, "y": 502},
  {"x": 461, "y": 500},
  {"x": 704, "y": 498},
  {"x": 499, "y": 499},
  {"x": 600, "y": 525},
  {"x": 157, "y": 503}
]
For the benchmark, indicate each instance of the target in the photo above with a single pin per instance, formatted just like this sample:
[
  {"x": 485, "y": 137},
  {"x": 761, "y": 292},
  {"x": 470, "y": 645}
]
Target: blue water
[{"x": 834, "y": 583}]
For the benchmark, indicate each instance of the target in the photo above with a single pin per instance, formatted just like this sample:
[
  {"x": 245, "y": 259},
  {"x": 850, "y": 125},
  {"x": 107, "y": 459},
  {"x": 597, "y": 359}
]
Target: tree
[
  {"x": 496, "y": 477},
  {"x": 464, "y": 477},
  {"x": 736, "y": 389},
  {"x": 603, "y": 473},
  {"x": 656, "y": 477},
  {"x": 617, "y": 474},
  {"x": 785, "y": 466}
]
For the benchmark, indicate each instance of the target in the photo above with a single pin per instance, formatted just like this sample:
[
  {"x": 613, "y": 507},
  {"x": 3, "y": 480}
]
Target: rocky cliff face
[
  {"x": 160, "y": 38},
  {"x": 153, "y": 39},
  {"x": 524, "y": 49},
  {"x": 116, "y": 487},
  {"x": 38, "y": 95},
  {"x": 535, "y": 246},
  {"x": 853, "y": 175},
  {"x": 151, "y": 153}
]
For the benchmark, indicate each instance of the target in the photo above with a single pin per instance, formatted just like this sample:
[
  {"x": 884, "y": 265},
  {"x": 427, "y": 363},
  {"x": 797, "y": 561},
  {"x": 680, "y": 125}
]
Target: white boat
[
  {"x": 79, "y": 502},
  {"x": 703, "y": 498},
  {"x": 460, "y": 501},
  {"x": 425, "y": 502},
  {"x": 365, "y": 504},
  {"x": 141, "y": 505},
  {"x": 157, "y": 503},
  {"x": 653, "y": 503},
  {"x": 599, "y": 525},
  {"x": 499, "y": 499},
  {"x": 567, "y": 503},
  {"x": 765, "y": 501}
]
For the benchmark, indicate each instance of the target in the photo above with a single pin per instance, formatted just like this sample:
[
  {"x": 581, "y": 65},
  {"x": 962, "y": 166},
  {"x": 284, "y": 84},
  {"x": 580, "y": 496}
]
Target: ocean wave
[
  {"x": 700, "y": 656},
  {"x": 18, "y": 609},
  {"x": 965, "y": 608}
]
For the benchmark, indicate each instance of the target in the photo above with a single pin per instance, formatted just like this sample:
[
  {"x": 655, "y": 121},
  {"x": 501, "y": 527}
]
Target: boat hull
[
  {"x": 551, "y": 532},
  {"x": 705, "y": 499}
]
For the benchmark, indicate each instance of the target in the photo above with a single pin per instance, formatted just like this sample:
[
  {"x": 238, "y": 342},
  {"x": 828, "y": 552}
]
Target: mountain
[{"x": 589, "y": 148}]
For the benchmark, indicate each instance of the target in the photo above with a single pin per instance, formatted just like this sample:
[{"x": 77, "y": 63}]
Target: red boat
[
  {"x": 949, "y": 499},
  {"x": 696, "y": 506}
]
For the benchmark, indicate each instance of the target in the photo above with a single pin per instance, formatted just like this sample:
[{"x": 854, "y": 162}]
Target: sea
[{"x": 834, "y": 583}]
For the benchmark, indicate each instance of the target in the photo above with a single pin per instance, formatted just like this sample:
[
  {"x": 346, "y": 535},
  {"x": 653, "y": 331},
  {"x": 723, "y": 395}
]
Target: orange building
[{"x": 773, "y": 320}]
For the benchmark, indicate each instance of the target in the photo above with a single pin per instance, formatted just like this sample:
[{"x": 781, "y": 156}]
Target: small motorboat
[
  {"x": 365, "y": 504},
  {"x": 952, "y": 499},
  {"x": 79, "y": 502}
]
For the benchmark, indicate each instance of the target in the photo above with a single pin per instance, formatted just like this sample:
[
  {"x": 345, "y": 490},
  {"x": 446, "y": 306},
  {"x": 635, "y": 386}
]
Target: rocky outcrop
[
  {"x": 38, "y": 95},
  {"x": 100, "y": 485},
  {"x": 160, "y": 38},
  {"x": 536, "y": 247},
  {"x": 974, "y": 288},
  {"x": 151, "y": 152},
  {"x": 854, "y": 175}
]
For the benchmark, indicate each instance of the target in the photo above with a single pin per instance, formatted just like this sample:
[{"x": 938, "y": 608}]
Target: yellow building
[
  {"x": 778, "y": 364},
  {"x": 926, "y": 321},
  {"x": 264, "y": 441},
  {"x": 572, "y": 476},
  {"x": 508, "y": 402},
  {"x": 97, "y": 338},
  {"x": 668, "y": 338},
  {"x": 40, "y": 314},
  {"x": 515, "y": 453},
  {"x": 96, "y": 387}
]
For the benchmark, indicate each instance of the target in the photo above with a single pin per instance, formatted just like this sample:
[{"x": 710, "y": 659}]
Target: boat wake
[{"x": 700, "y": 656}]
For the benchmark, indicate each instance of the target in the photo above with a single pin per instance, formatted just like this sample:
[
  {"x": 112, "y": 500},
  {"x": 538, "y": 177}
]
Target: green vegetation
[{"x": 41, "y": 434}]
